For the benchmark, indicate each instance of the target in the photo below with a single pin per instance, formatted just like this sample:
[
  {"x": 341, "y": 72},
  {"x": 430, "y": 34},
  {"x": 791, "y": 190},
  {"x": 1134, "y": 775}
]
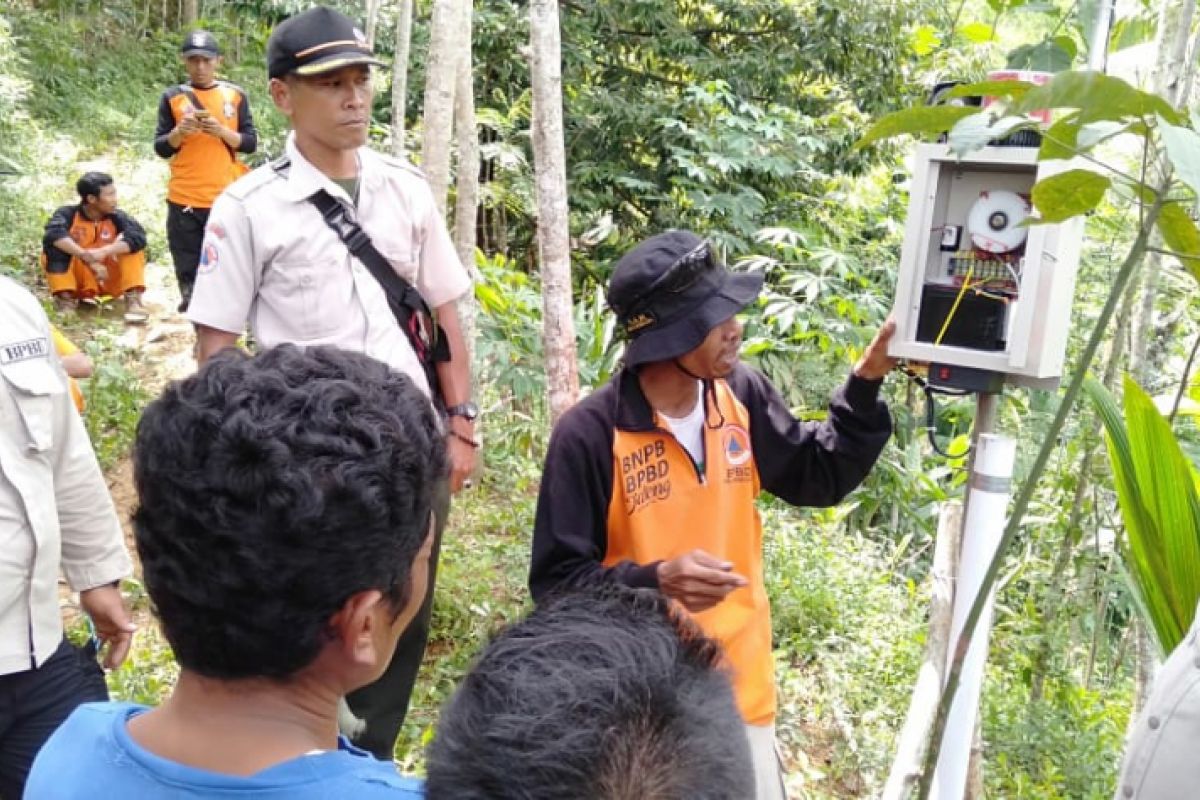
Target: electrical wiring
[
  {"x": 961, "y": 292},
  {"x": 931, "y": 409}
]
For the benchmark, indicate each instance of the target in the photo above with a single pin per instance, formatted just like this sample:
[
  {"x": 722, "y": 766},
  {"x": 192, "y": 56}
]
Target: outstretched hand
[
  {"x": 698, "y": 580},
  {"x": 875, "y": 362}
]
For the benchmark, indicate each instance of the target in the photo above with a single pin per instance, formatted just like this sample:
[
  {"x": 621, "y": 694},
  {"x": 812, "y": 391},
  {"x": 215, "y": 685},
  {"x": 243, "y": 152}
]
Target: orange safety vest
[
  {"x": 620, "y": 494},
  {"x": 204, "y": 165}
]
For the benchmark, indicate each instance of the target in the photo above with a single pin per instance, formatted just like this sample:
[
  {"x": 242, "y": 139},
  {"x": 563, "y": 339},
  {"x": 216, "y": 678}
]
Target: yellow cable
[{"x": 962, "y": 291}]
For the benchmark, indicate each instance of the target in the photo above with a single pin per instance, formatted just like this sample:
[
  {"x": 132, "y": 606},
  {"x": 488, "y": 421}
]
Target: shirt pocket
[
  {"x": 34, "y": 384},
  {"x": 403, "y": 256},
  {"x": 296, "y": 293}
]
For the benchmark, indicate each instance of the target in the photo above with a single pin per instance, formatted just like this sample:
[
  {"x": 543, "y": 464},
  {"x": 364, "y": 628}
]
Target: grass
[{"x": 848, "y": 623}]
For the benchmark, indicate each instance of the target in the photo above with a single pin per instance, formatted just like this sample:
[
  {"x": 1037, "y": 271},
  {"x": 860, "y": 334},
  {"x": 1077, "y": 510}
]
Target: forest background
[{"x": 737, "y": 119}]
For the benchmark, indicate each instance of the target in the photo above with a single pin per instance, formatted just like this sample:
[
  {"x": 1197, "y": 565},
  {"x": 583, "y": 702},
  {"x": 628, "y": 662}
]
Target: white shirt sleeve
[
  {"x": 441, "y": 277},
  {"x": 93, "y": 544},
  {"x": 228, "y": 275}
]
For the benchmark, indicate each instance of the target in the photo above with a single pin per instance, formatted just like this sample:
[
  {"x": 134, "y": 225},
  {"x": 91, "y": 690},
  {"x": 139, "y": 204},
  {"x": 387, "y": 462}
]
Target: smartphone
[{"x": 202, "y": 113}]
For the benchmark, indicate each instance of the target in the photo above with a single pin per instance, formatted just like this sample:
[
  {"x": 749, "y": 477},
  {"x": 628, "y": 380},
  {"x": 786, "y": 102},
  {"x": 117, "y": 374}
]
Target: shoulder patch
[
  {"x": 253, "y": 181},
  {"x": 12, "y": 352}
]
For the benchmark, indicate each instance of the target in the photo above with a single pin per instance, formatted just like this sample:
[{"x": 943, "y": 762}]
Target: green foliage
[
  {"x": 1097, "y": 96},
  {"x": 1160, "y": 505},
  {"x": 1179, "y": 232},
  {"x": 481, "y": 587},
  {"x": 115, "y": 401},
  {"x": 1069, "y": 194},
  {"x": 1183, "y": 150},
  {"x": 922, "y": 120},
  {"x": 1062, "y": 749}
]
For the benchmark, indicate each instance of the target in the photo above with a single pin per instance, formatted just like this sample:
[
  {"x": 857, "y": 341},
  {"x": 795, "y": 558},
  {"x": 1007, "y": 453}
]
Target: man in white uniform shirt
[
  {"x": 270, "y": 259},
  {"x": 55, "y": 514}
]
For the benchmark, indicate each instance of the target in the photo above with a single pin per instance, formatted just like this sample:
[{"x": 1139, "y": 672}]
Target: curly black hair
[
  {"x": 606, "y": 693},
  {"x": 271, "y": 489}
]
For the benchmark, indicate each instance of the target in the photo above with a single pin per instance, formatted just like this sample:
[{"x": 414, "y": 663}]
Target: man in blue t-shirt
[{"x": 283, "y": 527}]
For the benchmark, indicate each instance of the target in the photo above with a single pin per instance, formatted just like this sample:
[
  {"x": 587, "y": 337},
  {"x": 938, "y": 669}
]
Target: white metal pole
[{"x": 991, "y": 481}]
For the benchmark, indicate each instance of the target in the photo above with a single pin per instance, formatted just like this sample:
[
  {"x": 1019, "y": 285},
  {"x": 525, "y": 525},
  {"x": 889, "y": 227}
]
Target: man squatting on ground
[
  {"x": 270, "y": 258},
  {"x": 55, "y": 513},
  {"x": 202, "y": 126},
  {"x": 284, "y": 526},
  {"x": 94, "y": 249},
  {"x": 651, "y": 480}
]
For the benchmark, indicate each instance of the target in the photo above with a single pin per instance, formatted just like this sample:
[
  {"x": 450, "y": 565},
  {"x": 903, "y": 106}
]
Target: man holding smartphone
[{"x": 202, "y": 125}]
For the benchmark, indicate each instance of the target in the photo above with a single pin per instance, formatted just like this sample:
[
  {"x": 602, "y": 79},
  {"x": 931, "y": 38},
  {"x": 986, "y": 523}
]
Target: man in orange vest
[
  {"x": 651, "y": 480},
  {"x": 202, "y": 126},
  {"x": 94, "y": 249}
]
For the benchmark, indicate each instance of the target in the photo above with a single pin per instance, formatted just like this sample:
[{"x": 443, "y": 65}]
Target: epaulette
[
  {"x": 251, "y": 182},
  {"x": 401, "y": 163}
]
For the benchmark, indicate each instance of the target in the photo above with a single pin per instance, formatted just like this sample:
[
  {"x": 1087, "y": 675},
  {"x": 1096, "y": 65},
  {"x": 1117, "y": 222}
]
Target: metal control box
[{"x": 978, "y": 286}]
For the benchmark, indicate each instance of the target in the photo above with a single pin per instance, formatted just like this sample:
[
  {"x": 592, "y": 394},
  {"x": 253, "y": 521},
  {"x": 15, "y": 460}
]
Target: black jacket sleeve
[
  {"x": 814, "y": 463},
  {"x": 570, "y": 531},
  {"x": 166, "y": 124},
  {"x": 57, "y": 227},
  {"x": 246, "y": 129},
  {"x": 131, "y": 231}
]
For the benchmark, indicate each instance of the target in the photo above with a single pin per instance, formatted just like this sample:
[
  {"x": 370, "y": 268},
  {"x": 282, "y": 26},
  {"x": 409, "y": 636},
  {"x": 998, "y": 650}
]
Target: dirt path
[
  {"x": 164, "y": 353},
  {"x": 164, "y": 348}
]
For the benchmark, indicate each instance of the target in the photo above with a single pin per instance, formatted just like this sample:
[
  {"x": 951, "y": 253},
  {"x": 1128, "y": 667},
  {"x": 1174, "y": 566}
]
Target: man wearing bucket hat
[
  {"x": 333, "y": 245},
  {"x": 651, "y": 480}
]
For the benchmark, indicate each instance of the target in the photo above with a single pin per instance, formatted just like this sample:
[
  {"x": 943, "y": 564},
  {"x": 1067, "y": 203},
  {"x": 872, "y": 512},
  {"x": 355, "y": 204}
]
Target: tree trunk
[
  {"x": 974, "y": 787},
  {"x": 1170, "y": 69},
  {"x": 914, "y": 736},
  {"x": 400, "y": 74},
  {"x": 372, "y": 20},
  {"x": 1056, "y": 588},
  {"x": 441, "y": 75},
  {"x": 466, "y": 204},
  {"x": 190, "y": 13},
  {"x": 553, "y": 225}
]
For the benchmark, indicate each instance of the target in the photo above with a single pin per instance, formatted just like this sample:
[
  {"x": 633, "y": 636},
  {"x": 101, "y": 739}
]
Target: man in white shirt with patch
[
  {"x": 55, "y": 513},
  {"x": 270, "y": 259}
]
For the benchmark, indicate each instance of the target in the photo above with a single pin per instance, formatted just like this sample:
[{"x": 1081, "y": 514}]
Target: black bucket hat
[{"x": 670, "y": 291}]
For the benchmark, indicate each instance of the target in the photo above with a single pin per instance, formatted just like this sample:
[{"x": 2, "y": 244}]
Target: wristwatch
[{"x": 468, "y": 411}]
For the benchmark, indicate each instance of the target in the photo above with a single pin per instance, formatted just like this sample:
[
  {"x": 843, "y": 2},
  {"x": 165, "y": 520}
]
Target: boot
[
  {"x": 64, "y": 302},
  {"x": 135, "y": 311}
]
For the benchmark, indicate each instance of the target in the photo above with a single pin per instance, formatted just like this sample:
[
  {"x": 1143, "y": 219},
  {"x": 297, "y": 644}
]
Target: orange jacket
[
  {"x": 203, "y": 165},
  {"x": 620, "y": 494},
  {"x": 70, "y": 221}
]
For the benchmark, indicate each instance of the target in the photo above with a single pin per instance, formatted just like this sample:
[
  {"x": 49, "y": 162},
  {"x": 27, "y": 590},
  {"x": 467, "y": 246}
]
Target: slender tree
[
  {"x": 372, "y": 19},
  {"x": 440, "y": 78},
  {"x": 466, "y": 204},
  {"x": 404, "y": 16},
  {"x": 1171, "y": 45},
  {"x": 190, "y": 12},
  {"x": 553, "y": 230}
]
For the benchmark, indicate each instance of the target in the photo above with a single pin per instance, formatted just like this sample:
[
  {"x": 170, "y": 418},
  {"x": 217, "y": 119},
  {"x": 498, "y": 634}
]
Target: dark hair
[
  {"x": 270, "y": 490},
  {"x": 91, "y": 183},
  {"x": 606, "y": 693}
]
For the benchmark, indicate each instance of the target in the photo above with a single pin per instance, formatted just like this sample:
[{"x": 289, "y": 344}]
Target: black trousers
[
  {"x": 185, "y": 237},
  {"x": 383, "y": 704},
  {"x": 35, "y": 702}
]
